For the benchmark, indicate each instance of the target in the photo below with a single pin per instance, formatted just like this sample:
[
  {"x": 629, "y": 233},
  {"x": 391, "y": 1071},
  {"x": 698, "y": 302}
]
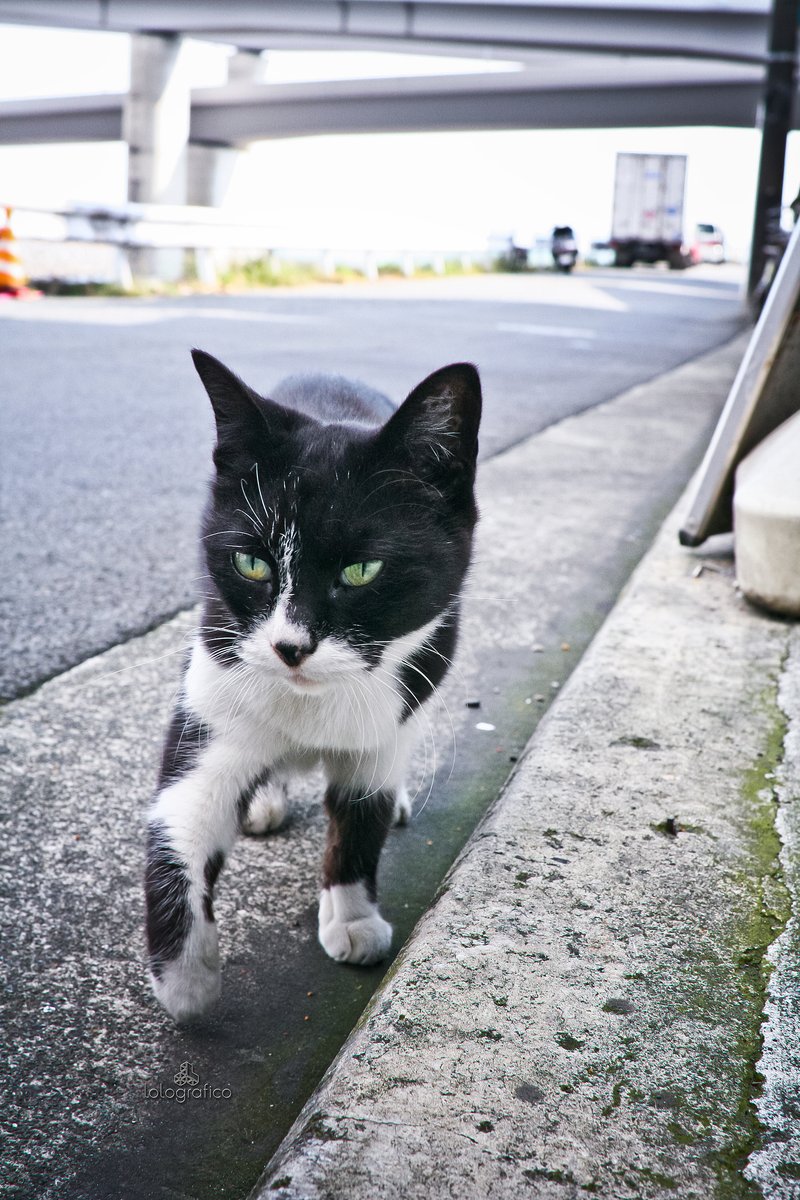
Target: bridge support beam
[{"x": 211, "y": 166}]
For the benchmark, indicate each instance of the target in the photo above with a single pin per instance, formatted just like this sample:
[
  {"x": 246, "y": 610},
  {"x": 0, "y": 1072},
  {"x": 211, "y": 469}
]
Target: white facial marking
[
  {"x": 279, "y": 627},
  {"x": 258, "y": 647},
  {"x": 289, "y": 548}
]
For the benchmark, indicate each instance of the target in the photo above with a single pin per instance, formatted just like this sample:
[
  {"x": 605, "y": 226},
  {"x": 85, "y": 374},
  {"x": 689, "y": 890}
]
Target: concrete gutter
[{"x": 580, "y": 1012}]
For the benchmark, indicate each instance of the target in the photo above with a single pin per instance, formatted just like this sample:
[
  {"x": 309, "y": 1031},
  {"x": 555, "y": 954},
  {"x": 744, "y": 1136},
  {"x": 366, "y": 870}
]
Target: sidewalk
[
  {"x": 564, "y": 516},
  {"x": 580, "y": 1012}
]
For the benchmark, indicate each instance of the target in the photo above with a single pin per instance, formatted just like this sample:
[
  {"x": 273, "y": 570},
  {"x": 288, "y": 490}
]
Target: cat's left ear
[
  {"x": 244, "y": 419},
  {"x": 439, "y": 421}
]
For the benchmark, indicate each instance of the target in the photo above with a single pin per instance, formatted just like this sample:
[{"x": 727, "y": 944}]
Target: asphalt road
[{"x": 106, "y": 432}]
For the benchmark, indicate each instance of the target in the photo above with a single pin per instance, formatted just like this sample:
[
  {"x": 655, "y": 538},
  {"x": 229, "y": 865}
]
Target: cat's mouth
[
  {"x": 299, "y": 682},
  {"x": 269, "y": 663}
]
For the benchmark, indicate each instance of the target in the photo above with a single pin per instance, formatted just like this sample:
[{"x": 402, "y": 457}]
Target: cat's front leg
[
  {"x": 351, "y": 929},
  {"x": 192, "y": 825}
]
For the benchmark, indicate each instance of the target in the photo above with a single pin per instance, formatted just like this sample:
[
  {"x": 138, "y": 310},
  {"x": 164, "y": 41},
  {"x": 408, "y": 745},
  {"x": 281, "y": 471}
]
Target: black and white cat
[{"x": 337, "y": 536}]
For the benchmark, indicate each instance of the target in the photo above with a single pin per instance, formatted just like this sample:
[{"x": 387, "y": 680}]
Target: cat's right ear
[
  {"x": 244, "y": 419},
  {"x": 437, "y": 425}
]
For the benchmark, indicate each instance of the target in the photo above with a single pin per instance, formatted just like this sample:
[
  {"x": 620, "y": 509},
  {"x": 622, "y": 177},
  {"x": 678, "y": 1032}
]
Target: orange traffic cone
[{"x": 12, "y": 276}]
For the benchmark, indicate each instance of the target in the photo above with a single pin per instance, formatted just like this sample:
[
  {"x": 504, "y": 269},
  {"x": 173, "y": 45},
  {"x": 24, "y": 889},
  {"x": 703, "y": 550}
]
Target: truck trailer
[{"x": 647, "y": 223}]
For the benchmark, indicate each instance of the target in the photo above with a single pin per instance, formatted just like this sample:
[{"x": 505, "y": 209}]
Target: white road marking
[
  {"x": 668, "y": 287},
  {"x": 239, "y": 314},
  {"x": 90, "y": 313},
  {"x": 562, "y": 331}
]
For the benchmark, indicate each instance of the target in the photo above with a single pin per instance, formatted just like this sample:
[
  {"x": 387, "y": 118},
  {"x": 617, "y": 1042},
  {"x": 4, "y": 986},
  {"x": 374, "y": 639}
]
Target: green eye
[
  {"x": 250, "y": 567},
  {"x": 357, "y": 574}
]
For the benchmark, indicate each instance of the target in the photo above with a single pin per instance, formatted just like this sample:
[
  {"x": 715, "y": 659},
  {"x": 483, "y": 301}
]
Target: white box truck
[{"x": 647, "y": 224}]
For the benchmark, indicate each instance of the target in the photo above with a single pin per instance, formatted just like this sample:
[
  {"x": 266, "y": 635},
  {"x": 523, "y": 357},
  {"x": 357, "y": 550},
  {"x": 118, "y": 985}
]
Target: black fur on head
[{"x": 310, "y": 496}]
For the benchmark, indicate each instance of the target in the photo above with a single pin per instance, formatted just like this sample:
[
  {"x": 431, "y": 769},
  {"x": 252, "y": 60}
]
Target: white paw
[
  {"x": 364, "y": 941},
  {"x": 189, "y": 985},
  {"x": 267, "y": 810},
  {"x": 350, "y": 927},
  {"x": 402, "y": 807}
]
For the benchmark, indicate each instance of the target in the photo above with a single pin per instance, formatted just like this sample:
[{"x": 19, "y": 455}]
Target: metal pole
[{"x": 778, "y": 112}]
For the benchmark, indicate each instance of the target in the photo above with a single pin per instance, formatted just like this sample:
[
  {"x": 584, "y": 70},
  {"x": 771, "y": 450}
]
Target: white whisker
[{"x": 249, "y": 505}]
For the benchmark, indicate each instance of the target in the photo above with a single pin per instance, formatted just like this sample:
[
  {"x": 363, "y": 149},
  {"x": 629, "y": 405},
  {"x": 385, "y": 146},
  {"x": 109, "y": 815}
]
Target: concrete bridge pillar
[
  {"x": 211, "y": 167},
  {"x": 247, "y": 66},
  {"x": 156, "y": 128}
]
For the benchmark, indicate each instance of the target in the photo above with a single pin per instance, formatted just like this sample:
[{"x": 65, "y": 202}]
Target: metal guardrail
[
  {"x": 209, "y": 234},
  {"x": 159, "y": 226}
]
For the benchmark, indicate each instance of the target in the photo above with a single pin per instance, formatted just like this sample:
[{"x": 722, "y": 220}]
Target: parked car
[
  {"x": 601, "y": 254},
  {"x": 710, "y": 243}
]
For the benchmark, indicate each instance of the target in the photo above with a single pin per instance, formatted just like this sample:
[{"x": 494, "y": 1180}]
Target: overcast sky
[{"x": 388, "y": 191}]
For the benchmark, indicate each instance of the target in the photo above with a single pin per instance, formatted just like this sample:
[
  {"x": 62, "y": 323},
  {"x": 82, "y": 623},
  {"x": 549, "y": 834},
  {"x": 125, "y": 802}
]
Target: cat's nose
[{"x": 291, "y": 653}]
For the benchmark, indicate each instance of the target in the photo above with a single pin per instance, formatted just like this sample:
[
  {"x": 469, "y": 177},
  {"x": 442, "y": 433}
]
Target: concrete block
[{"x": 766, "y": 512}]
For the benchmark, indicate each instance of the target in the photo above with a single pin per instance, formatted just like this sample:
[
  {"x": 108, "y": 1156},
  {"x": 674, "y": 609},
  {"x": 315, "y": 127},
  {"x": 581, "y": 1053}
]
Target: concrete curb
[{"x": 580, "y": 1011}]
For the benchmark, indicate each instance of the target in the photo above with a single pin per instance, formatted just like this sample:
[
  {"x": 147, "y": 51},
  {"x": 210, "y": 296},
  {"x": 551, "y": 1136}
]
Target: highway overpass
[
  {"x": 579, "y": 65},
  {"x": 558, "y": 91},
  {"x": 732, "y": 31}
]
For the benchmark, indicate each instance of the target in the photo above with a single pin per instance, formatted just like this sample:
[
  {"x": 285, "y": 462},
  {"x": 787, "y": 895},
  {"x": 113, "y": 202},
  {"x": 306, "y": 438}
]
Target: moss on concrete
[{"x": 768, "y": 911}]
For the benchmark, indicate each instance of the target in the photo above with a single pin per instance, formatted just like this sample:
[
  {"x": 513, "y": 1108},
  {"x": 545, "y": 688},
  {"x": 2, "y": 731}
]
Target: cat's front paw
[
  {"x": 350, "y": 927},
  {"x": 188, "y": 986},
  {"x": 267, "y": 809}
]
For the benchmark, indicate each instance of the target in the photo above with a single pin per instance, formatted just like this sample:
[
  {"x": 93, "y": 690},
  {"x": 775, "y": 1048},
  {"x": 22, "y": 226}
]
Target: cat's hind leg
[{"x": 266, "y": 809}]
